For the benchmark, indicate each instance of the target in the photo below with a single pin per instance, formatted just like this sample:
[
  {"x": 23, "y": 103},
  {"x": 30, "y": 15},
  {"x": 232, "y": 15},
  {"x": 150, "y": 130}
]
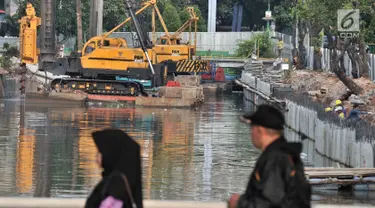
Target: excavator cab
[{"x": 98, "y": 42}]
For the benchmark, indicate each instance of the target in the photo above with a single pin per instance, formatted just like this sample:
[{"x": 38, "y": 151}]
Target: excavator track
[{"x": 99, "y": 87}]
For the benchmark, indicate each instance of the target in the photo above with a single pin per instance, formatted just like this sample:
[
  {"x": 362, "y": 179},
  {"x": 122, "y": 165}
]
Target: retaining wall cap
[{"x": 13, "y": 202}]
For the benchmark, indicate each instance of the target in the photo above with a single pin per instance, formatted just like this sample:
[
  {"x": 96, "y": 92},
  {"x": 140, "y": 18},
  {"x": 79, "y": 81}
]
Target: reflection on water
[
  {"x": 197, "y": 154},
  {"x": 186, "y": 154}
]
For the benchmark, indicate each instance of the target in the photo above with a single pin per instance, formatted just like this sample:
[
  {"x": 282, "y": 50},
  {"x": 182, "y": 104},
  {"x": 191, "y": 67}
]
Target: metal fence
[{"x": 326, "y": 62}]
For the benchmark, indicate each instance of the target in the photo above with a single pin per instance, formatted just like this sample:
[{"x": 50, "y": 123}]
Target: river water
[{"x": 46, "y": 150}]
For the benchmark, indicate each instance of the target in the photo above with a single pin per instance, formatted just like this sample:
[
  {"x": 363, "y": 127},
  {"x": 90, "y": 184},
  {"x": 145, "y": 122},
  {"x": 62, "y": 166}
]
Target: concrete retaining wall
[
  {"x": 11, "y": 85},
  {"x": 256, "y": 83},
  {"x": 335, "y": 142},
  {"x": 214, "y": 41},
  {"x": 264, "y": 87}
]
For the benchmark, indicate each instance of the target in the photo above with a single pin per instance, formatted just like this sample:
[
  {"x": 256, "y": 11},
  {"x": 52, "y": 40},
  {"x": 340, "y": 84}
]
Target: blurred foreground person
[
  {"x": 121, "y": 185},
  {"x": 278, "y": 179}
]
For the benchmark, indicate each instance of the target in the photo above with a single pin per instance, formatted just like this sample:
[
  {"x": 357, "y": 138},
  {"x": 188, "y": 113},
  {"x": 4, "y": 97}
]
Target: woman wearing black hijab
[{"x": 119, "y": 156}]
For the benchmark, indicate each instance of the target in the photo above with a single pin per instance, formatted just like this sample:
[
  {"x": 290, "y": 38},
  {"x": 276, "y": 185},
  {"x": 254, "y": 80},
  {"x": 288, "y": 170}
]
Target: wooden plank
[
  {"x": 338, "y": 169},
  {"x": 338, "y": 174},
  {"x": 341, "y": 182},
  {"x": 353, "y": 172},
  {"x": 318, "y": 169},
  {"x": 329, "y": 175}
]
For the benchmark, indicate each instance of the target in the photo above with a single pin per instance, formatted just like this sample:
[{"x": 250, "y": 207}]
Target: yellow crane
[
  {"x": 103, "y": 59},
  {"x": 168, "y": 49}
]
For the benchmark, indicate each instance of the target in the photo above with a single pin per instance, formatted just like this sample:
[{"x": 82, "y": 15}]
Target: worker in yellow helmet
[
  {"x": 329, "y": 109},
  {"x": 280, "y": 46},
  {"x": 339, "y": 112},
  {"x": 338, "y": 103}
]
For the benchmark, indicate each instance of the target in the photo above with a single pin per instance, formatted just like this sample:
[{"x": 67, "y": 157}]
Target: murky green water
[{"x": 46, "y": 149}]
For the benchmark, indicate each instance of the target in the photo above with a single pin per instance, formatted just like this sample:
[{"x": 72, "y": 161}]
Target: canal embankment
[{"x": 349, "y": 144}]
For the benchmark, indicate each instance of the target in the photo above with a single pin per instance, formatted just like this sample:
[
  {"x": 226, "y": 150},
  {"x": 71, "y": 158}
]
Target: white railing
[{"x": 17, "y": 202}]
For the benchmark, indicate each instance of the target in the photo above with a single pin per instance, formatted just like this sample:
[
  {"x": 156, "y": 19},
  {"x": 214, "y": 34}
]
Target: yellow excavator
[
  {"x": 101, "y": 61},
  {"x": 92, "y": 71}
]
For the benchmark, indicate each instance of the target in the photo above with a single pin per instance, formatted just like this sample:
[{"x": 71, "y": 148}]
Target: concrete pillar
[
  {"x": 96, "y": 18},
  {"x": 5, "y": 5},
  {"x": 100, "y": 17},
  {"x": 212, "y": 4},
  {"x": 8, "y": 6}
]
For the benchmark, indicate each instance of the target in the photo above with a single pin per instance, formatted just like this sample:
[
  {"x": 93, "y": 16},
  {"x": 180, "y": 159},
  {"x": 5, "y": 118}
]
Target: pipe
[{"x": 139, "y": 33}]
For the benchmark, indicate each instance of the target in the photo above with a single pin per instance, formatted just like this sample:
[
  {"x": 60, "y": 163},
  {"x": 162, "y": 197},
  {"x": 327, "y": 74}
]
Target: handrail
[{"x": 25, "y": 202}]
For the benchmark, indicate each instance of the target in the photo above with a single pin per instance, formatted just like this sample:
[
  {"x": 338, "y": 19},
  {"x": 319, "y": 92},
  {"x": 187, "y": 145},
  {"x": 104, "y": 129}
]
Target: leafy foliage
[
  {"x": 323, "y": 14},
  {"x": 284, "y": 18},
  {"x": 114, "y": 12},
  {"x": 171, "y": 17},
  {"x": 5, "y": 59},
  {"x": 247, "y": 47}
]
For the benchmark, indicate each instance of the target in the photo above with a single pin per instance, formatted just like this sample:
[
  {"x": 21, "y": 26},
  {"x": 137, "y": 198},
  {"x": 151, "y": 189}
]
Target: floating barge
[{"x": 166, "y": 97}]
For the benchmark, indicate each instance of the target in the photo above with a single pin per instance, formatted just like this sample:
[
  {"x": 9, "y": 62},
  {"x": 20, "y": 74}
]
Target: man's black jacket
[{"x": 278, "y": 179}]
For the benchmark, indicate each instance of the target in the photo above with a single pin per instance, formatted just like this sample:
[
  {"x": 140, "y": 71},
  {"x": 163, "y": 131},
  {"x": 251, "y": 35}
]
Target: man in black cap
[{"x": 278, "y": 179}]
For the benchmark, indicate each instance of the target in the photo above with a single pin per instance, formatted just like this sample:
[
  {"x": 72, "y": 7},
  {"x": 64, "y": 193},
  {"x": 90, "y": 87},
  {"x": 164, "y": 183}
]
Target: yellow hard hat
[
  {"x": 338, "y": 102},
  {"x": 342, "y": 115},
  {"x": 328, "y": 109}
]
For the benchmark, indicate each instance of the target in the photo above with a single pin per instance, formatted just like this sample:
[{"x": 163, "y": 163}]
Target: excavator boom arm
[
  {"x": 193, "y": 18},
  {"x": 147, "y": 4},
  {"x": 139, "y": 33}
]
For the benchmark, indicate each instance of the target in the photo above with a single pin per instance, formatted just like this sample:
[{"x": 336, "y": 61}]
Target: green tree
[
  {"x": 171, "y": 17},
  {"x": 283, "y": 15},
  {"x": 113, "y": 14},
  {"x": 248, "y": 47},
  {"x": 321, "y": 14},
  {"x": 66, "y": 24}
]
